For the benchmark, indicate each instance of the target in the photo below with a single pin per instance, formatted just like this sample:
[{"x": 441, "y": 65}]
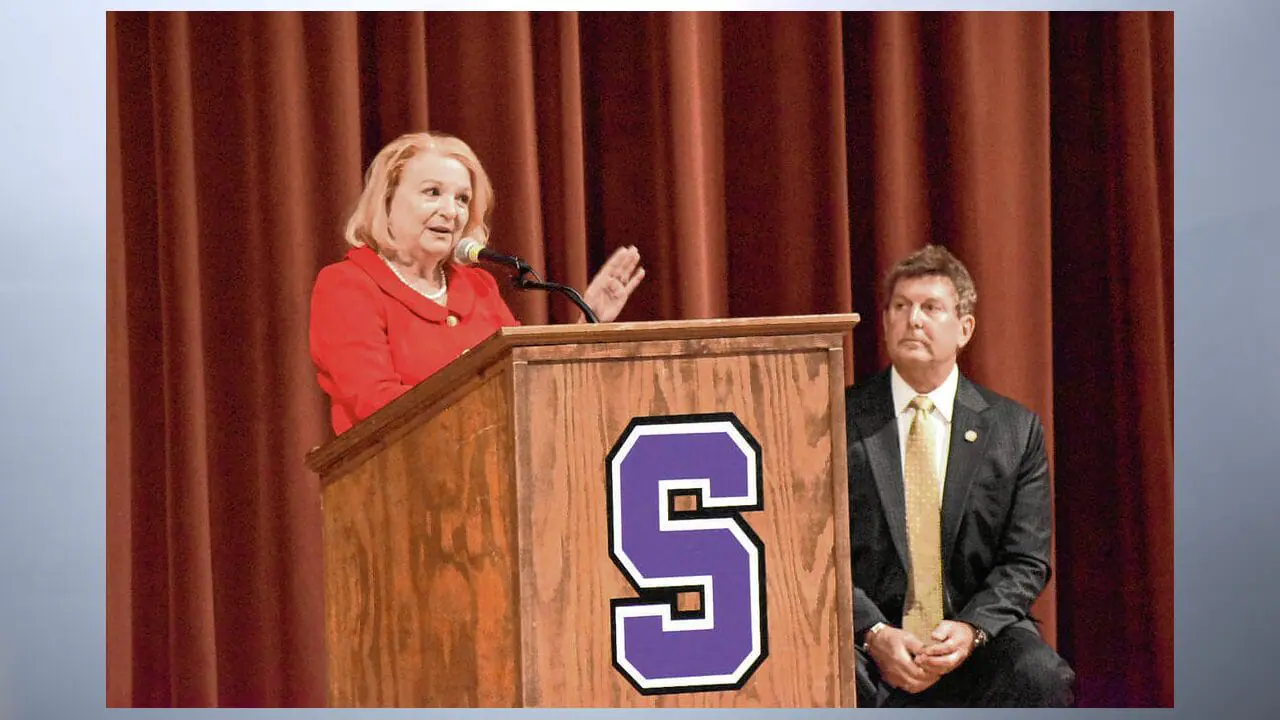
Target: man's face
[{"x": 922, "y": 328}]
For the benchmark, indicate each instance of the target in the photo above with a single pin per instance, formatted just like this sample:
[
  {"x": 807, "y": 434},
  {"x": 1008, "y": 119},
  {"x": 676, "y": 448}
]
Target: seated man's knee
[{"x": 1040, "y": 677}]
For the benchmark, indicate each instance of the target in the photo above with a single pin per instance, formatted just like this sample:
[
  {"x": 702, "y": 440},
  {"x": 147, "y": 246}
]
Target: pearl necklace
[{"x": 432, "y": 296}]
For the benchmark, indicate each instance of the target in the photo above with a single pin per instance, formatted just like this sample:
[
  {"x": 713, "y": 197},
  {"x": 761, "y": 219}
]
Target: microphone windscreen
[{"x": 467, "y": 251}]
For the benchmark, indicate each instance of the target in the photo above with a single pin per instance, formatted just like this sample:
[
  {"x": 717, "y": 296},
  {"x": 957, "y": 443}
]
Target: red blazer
[{"x": 373, "y": 337}]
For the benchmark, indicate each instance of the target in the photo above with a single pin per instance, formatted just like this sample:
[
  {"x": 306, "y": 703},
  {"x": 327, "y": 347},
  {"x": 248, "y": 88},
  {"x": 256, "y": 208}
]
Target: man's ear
[{"x": 967, "y": 325}]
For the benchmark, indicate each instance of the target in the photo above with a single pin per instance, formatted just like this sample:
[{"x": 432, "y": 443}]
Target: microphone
[{"x": 471, "y": 251}]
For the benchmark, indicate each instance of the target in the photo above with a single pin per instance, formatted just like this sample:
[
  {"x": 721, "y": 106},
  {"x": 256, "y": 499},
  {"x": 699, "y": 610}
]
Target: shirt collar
[
  {"x": 943, "y": 396},
  {"x": 461, "y": 293}
]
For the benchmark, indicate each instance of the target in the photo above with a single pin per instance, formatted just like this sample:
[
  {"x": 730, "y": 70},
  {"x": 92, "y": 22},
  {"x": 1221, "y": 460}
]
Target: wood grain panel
[
  {"x": 784, "y": 399},
  {"x": 458, "y": 377},
  {"x": 420, "y": 564},
  {"x": 844, "y": 561},
  {"x": 465, "y": 539},
  {"x": 700, "y": 347},
  {"x": 793, "y": 326}
]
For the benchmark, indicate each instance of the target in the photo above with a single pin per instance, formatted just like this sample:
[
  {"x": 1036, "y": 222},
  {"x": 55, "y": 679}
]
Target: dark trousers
[{"x": 1017, "y": 668}]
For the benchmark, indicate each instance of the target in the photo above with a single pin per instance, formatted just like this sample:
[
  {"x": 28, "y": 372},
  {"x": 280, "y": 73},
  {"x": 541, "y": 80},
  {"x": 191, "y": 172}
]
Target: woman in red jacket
[{"x": 397, "y": 308}]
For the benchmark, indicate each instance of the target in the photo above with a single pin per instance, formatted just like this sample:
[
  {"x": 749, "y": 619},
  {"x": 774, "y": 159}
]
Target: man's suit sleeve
[
  {"x": 1022, "y": 562},
  {"x": 865, "y": 612}
]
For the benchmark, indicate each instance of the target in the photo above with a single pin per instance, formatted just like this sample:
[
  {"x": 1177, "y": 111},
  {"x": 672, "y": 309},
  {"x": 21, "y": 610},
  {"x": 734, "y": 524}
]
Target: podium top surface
[
  {"x": 672, "y": 330},
  {"x": 366, "y": 433}
]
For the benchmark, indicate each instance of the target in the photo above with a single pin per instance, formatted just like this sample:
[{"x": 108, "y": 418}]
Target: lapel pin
[{"x": 970, "y": 435}]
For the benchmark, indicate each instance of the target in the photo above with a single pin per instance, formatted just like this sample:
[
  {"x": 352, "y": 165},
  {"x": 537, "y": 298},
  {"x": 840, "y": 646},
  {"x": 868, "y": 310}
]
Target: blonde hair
[{"x": 367, "y": 226}]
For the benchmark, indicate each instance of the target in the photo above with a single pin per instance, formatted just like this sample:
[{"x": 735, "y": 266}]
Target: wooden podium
[{"x": 486, "y": 534}]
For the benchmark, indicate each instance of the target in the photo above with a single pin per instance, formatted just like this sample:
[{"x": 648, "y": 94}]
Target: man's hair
[{"x": 936, "y": 260}]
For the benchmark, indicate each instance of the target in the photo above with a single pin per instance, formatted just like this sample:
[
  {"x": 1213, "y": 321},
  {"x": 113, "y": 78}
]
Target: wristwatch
[
  {"x": 870, "y": 633},
  {"x": 980, "y": 637}
]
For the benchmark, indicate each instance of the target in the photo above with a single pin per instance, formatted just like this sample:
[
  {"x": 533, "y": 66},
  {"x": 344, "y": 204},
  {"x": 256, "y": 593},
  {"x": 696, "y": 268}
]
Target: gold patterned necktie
[{"x": 923, "y": 609}]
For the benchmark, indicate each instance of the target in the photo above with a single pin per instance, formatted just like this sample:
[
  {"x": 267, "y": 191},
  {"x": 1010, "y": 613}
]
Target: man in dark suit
[{"x": 949, "y": 500}]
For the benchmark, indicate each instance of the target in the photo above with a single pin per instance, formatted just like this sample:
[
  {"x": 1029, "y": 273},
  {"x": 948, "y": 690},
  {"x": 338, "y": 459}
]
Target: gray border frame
[{"x": 52, "y": 375}]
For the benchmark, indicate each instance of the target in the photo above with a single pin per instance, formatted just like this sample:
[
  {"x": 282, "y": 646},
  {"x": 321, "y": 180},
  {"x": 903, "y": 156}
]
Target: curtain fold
[
  {"x": 119, "y": 560},
  {"x": 1113, "y": 350},
  {"x": 562, "y": 180},
  {"x": 763, "y": 163}
]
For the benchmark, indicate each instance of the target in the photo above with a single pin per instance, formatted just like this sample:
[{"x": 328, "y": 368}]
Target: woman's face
[{"x": 430, "y": 207}]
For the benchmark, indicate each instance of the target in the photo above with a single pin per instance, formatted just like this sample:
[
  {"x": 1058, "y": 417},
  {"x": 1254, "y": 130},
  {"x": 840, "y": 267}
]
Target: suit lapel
[
  {"x": 878, "y": 426},
  {"x": 368, "y": 260},
  {"x": 963, "y": 458}
]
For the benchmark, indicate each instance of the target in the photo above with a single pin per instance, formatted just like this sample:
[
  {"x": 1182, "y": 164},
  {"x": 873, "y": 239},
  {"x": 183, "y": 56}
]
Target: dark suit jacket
[{"x": 996, "y": 520}]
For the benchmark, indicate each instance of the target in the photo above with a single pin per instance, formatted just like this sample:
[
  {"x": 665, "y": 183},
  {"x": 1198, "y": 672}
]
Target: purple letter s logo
[{"x": 710, "y": 550}]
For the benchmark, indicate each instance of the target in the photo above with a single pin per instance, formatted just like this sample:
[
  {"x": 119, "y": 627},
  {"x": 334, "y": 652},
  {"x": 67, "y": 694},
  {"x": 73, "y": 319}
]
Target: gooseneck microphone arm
[
  {"x": 523, "y": 282},
  {"x": 470, "y": 251}
]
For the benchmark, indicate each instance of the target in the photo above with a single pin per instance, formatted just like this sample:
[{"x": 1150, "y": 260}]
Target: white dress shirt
[{"x": 944, "y": 400}]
